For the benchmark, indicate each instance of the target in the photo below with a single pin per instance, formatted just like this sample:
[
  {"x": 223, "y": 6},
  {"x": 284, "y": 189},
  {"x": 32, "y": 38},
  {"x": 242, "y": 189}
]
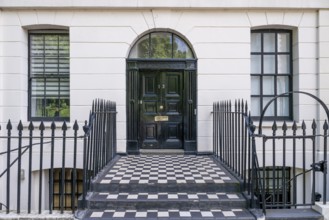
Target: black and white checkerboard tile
[
  {"x": 164, "y": 169},
  {"x": 195, "y": 213},
  {"x": 167, "y": 196}
]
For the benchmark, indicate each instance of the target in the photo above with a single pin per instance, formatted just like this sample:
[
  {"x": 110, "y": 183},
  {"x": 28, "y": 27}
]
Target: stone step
[
  {"x": 166, "y": 200},
  {"x": 169, "y": 187},
  {"x": 166, "y": 186},
  {"x": 293, "y": 214},
  {"x": 223, "y": 213}
]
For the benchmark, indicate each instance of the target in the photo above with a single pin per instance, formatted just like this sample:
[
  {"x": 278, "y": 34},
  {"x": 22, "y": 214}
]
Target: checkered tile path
[
  {"x": 163, "y": 214},
  {"x": 165, "y": 169},
  {"x": 166, "y": 186},
  {"x": 167, "y": 196}
]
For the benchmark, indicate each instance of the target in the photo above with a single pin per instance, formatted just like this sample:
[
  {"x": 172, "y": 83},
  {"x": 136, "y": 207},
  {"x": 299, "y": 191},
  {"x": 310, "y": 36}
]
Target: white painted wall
[{"x": 101, "y": 39}]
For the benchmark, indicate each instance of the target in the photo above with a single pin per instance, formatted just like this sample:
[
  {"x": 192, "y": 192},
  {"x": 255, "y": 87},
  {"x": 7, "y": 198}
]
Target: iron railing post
[
  {"x": 85, "y": 167},
  {"x": 31, "y": 128},
  {"x": 9, "y": 128},
  {"x": 19, "y": 166},
  {"x": 74, "y": 174},
  {"x": 51, "y": 175},
  {"x": 41, "y": 128}
]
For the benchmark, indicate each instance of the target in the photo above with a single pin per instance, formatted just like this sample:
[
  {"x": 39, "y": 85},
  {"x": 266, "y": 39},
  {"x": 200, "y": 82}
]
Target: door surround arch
[{"x": 159, "y": 51}]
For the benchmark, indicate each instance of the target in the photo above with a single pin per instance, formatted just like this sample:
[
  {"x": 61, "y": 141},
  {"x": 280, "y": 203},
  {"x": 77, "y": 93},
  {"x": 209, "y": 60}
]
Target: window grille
[
  {"x": 68, "y": 187},
  {"x": 271, "y": 73},
  {"x": 49, "y": 79}
]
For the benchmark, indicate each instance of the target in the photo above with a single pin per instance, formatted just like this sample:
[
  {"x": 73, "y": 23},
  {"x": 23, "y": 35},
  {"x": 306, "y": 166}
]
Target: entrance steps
[
  {"x": 166, "y": 186},
  {"x": 169, "y": 186}
]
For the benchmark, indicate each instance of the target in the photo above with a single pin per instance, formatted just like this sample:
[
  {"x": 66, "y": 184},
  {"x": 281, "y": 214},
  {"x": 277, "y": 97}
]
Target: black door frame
[{"x": 189, "y": 66}]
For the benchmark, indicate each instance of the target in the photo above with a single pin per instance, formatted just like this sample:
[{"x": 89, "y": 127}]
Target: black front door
[{"x": 161, "y": 109}]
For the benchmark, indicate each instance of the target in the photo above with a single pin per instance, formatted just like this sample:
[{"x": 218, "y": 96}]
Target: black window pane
[
  {"x": 271, "y": 72},
  {"x": 49, "y": 75},
  {"x": 161, "y": 45}
]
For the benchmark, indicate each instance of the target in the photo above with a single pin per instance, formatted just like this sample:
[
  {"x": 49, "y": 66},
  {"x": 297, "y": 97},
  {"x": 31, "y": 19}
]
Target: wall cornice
[{"x": 178, "y": 4}]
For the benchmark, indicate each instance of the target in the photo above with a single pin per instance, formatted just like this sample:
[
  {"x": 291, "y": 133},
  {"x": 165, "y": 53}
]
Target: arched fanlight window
[{"x": 161, "y": 45}]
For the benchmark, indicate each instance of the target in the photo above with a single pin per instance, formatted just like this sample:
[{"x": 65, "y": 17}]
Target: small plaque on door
[{"x": 161, "y": 118}]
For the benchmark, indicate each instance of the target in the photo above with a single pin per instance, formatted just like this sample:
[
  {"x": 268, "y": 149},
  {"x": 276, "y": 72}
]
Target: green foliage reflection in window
[{"x": 161, "y": 45}]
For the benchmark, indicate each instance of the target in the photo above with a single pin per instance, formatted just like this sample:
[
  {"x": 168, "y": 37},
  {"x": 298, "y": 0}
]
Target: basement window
[{"x": 67, "y": 188}]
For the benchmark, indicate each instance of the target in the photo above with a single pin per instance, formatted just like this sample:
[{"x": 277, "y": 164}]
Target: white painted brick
[
  {"x": 292, "y": 18},
  {"x": 324, "y": 34},
  {"x": 324, "y": 17},
  {"x": 225, "y": 50},
  {"x": 148, "y": 17},
  {"x": 121, "y": 146},
  {"x": 13, "y": 49},
  {"x": 306, "y": 100},
  {"x": 224, "y": 82},
  {"x": 274, "y": 17},
  {"x": 81, "y": 113},
  {"x": 205, "y": 144},
  {"x": 10, "y": 18},
  {"x": 324, "y": 49},
  {"x": 224, "y": 66},
  {"x": 14, "y": 114},
  {"x": 98, "y": 81},
  {"x": 13, "y": 33},
  {"x": 257, "y": 18},
  {"x": 324, "y": 96},
  {"x": 121, "y": 130},
  {"x": 13, "y": 65},
  {"x": 28, "y": 17},
  {"x": 214, "y": 18},
  {"x": 63, "y": 18},
  {"x": 46, "y": 16},
  {"x": 204, "y": 113},
  {"x": 99, "y": 50},
  {"x": 111, "y": 18},
  {"x": 96, "y": 66},
  {"x": 307, "y": 50},
  {"x": 307, "y": 65},
  {"x": 307, "y": 35},
  {"x": 207, "y": 97},
  {"x": 13, "y": 82},
  {"x": 219, "y": 35},
  {"x": 307, "y": 112},
  {"x": 14, "y": 98},
  {"x": 324, "y": 65},
  {"x": 306, "y": 81},
  {"x": 166, "y": 18},
  {"x": 102, "y": 34},
  {"x": 85, "y": 97},
  {"x": 309, "y": 19},
  {"x": 323, "y": 82},
  {"x": 205, "y": 128}
]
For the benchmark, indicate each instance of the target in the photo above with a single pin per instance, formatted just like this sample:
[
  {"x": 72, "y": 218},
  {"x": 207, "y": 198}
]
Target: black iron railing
[
  {"x": 304, "y": 152},
  {"x": 99, "y": 141},
  {"x": 234, "y": 143},
  {"x": 283, "y": 170},
  {"x": 299, "y": 150},
  {"x": 34, "y": 151}
]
